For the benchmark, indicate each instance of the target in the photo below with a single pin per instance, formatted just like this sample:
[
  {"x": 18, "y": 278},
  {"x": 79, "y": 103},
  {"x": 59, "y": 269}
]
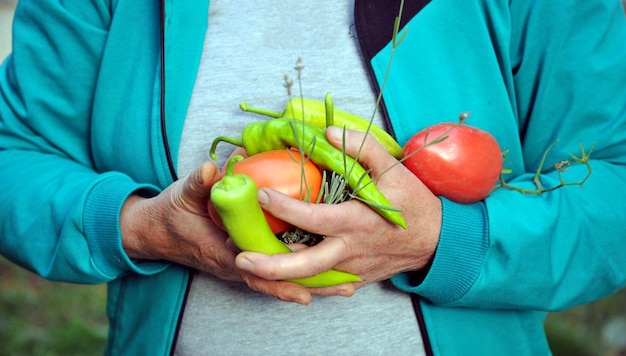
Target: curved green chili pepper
[
  {"x": 284, "y": 133},
  {"x": 315, "y": 114},
  {"x": 236, "y": 201}
]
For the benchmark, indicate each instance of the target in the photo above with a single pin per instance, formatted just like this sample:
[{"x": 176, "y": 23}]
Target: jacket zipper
[
  {"x": 166, "y": 145},
  {"x": 172, "y": 169},
  {"x": 419, "y": 315}
]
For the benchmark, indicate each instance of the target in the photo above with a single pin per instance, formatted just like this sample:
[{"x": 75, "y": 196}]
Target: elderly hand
[
  {"x": 174, "y": 226},
  {"x": 358, "y": 240}
]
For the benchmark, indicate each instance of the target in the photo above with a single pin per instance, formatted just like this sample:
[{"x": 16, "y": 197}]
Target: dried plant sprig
[
  {"x": 288, "y": 84},
  {"x": 335, "y": 189},
  {"x": 561, "y": 167}
]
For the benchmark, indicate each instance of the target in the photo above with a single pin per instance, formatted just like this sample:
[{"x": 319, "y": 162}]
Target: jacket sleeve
[
  {"x": 562, "y": 248},
  {"x": 60, "y": 217}
]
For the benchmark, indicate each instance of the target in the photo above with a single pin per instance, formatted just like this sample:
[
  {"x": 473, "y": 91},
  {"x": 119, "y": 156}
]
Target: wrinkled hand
[
  {"x": 175, "y": 226},
  {"x": 358, "y": 240}
]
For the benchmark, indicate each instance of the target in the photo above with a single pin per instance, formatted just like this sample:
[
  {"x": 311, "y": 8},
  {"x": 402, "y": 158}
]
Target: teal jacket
[{"x": 92, "y": 109}]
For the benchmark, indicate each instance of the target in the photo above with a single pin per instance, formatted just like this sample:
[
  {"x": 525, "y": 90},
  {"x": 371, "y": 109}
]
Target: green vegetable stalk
[
  {"x": 235, "y": 199},
  {"x": 314, "y": 112},
  {"x": 284, "y": 133}
]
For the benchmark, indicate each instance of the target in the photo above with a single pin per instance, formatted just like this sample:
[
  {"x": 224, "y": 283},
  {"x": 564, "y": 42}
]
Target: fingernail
[
  {"x": 346, "y": 293},
  {"x": 263, "y": 197},
  {"x": 304, "y": 300},
  {"x": 333, "y": 133},
  {"x": 245, "y": 264}
]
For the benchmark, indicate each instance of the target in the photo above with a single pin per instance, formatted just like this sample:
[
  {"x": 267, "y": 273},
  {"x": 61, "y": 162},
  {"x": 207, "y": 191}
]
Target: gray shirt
[{"x": 249, "y": 47}]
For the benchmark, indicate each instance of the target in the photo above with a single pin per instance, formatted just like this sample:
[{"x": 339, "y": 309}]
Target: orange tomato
[{"x": 283, "y": 171}]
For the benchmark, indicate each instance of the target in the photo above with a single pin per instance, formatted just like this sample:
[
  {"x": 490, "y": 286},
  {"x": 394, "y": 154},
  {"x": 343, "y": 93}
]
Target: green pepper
[
  {"x": 314, "y": 112},
  {"x": 236, "y": 201},
  {"x": 284, "y": 133}
]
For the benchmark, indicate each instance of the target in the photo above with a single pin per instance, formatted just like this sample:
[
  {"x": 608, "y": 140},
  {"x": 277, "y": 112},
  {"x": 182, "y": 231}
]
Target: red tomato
[
  {"x": 280, "y": 170},
  {"x": 464, "y": 168}
]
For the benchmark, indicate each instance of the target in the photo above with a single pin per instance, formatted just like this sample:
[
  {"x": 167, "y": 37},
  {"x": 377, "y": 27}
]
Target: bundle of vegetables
[
  {"x": 234, "y": 197},
  {"x": 454, "y": 160},
  {"x": 295, "y": 143}
]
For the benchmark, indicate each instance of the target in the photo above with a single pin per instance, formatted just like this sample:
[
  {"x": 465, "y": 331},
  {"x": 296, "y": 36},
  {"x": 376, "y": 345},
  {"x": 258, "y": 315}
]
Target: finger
[
  {"x": 209, "y": 174},
  {"x": 285, "y": 291},
  {"x": 292, "y": 292},
  {"x": 194, "y": 191},
  {"x": 317, "y": 218},
  {"x": 297, "y": 246},
  {"x": 230, "y": 245},
  {"x": 370, "y": 153},
  {"x": 239, "y": 151},
  {"x": 343, "y": 290},
  {"x": 302, "y": 263}
]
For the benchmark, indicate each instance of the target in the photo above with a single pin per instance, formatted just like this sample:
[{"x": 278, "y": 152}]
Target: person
[{"x": 108, "y": 110}]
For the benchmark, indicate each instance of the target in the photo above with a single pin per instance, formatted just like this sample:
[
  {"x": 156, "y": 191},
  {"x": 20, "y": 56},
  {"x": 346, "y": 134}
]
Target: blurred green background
[{"x": 38, "y": 317}]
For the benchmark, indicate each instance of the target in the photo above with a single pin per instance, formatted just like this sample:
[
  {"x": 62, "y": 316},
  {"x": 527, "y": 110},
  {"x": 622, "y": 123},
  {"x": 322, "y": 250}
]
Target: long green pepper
[
  {"x": 314, "y": 112},
  {"x": 284, "y": 133},
  {"x": 236, "y": 201}
]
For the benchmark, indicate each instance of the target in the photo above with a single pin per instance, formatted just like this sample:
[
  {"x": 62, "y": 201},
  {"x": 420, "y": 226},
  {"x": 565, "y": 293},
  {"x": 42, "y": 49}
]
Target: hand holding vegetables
[
  {"x": 174, "y": 226},
  {"x": 235, "y": 198},
  {"x": 357, "y": 238}
]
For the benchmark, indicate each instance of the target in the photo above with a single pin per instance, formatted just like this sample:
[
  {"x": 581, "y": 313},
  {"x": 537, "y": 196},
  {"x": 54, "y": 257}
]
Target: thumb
[
  {"x": 209, "y": 174},
  {"x": 194, "y": 191}
]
